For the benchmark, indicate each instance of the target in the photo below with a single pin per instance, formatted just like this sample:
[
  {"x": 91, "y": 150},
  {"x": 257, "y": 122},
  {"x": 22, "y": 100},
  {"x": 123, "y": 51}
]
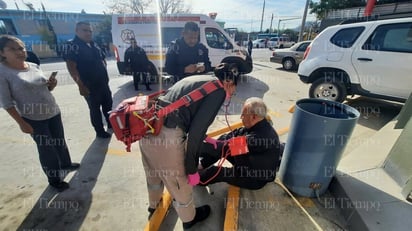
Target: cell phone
[{"x": 53, "y": 75}]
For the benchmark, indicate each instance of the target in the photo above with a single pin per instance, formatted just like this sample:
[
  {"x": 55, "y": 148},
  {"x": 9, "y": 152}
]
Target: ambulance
[{"x": 155, "y": 35}]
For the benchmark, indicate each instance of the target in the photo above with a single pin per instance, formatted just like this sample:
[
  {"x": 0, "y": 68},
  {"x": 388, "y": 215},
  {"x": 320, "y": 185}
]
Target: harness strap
[{"x": 192, "y": 97}]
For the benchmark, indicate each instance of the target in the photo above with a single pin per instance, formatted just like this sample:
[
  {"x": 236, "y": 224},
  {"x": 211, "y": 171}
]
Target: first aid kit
[{"x": 238, "y": 146}]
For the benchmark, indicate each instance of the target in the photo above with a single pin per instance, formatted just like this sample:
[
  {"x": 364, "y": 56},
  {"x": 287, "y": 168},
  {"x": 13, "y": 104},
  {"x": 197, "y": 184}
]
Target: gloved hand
[
  {"x": 193, "y": 179},
  {"x": 211, "y": 141}
]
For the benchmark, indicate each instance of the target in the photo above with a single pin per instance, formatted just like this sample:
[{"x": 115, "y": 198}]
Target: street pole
[
  {"x": 278, "y": 27},
  {"x": 263, "y": 13},
  {"x": 302, "y": 27},
  {"x": 286, "y": 19},
  {"x": 270, "y": 28}
]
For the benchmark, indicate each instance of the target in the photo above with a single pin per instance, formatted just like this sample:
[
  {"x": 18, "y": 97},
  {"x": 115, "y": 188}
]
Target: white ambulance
[{"x": 155, "y": 35}]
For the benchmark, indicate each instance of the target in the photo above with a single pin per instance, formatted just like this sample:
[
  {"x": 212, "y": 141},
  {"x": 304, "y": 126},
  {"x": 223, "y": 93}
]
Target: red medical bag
[{"x": 139, "y": 116}]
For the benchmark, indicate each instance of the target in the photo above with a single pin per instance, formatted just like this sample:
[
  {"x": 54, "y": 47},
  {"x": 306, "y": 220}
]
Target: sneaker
[
  {"x": 202, "y": 213},
  {"x": 72, "y": 167},
  {"x": 60, "y": 186},
  {"x": 103, "y": 135}
]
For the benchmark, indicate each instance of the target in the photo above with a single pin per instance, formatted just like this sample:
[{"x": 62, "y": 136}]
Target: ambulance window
[
  {"x": 216, "y": 39},
  {"x": 170, "y": 34}
]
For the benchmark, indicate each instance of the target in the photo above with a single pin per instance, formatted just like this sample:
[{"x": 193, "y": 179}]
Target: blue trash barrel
[{"x": 318, "y": 135}]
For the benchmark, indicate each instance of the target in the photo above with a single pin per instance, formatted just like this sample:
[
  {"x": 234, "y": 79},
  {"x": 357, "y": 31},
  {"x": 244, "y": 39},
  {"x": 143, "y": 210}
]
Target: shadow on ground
[
  {"x": 68, "y": 209},
  {"x": 375, "y": 113},
  {"x": 243, "y": 91}
]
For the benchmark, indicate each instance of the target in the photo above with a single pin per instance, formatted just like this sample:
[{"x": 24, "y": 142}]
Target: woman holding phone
[{"x": 25, "y": 95}]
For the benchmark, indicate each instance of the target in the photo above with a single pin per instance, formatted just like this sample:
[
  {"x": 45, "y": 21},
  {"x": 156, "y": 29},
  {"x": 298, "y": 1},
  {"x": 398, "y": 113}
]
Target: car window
[
  {"x": 391, "y": 37},
  {"x": 345, "y": 38},
  {"x": 302, "y": 47}
]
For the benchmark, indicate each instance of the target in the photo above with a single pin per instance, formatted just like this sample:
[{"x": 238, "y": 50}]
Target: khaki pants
[{"x": 163, "y": 160}]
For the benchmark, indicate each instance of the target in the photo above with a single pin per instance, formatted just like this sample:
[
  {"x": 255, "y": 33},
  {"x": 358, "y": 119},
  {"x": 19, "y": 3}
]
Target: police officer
[
  {"x": 87, "y": 66},
  {"x": 135, "y": 58},
  {"x": 186, "y": 56}
]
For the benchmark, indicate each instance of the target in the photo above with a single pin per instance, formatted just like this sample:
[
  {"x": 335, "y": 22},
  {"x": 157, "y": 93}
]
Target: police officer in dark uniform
[
  {"x": 136, "y": 59},
  {"x": 186, "y": 56},
  {"x": 87, "y": 66}
]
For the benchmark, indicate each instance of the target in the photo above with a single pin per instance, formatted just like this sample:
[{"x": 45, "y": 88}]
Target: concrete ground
[{"x": 108, "y": 192}]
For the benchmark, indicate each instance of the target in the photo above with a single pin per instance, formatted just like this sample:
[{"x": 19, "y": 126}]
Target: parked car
[
  {"x": 259, "y": 43},
  {"x": 290, "y": 58},
  {"x": 282, "y": 42},
  {"x": 369, "y": 58}
]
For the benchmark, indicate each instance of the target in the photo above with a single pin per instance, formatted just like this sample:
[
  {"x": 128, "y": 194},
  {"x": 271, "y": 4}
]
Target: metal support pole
[
  {"x": 263, "y": 13},
  {"x": 270, "y": 28},
  {"x": 278, "y": 27},
  {"x": 302, "y": 27}
]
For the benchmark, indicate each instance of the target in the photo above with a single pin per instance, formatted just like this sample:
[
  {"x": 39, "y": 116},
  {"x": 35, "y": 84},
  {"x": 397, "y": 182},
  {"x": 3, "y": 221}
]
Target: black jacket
[
  {"x": 90, "y": 61},
  {"x": 264, "y": 150},
  {"x": 136, "y": 59},
  {"x": 195, "y": 119},
  {"x": 179, "y": 55}
]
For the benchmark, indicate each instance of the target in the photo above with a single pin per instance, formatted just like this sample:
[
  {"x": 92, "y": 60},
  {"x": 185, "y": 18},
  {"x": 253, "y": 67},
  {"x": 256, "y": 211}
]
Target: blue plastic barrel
[{"x": 318, "y": 135}]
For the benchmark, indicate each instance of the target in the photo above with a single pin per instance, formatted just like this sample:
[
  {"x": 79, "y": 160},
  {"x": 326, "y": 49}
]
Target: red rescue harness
[{"x": 139, "y": 116}]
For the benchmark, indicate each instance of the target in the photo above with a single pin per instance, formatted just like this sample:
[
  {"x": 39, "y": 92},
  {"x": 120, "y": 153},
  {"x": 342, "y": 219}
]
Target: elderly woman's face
[{"x": 14, "y": 52}]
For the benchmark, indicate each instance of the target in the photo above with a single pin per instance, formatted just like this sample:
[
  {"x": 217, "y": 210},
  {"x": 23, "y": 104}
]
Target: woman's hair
[
  {"x": 225, "y": 71},
  {"x": 256, "y": 106},
  {"x": 4, "y": 40}
]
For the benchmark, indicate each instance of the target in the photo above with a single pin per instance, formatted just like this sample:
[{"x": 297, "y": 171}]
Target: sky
[{"x": 245, "y": 15}]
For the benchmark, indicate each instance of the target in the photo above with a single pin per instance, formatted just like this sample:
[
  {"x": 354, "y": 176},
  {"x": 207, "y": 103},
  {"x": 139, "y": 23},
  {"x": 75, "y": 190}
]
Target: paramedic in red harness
[
  {"x": 253, "y": 169},
  {"x": 171, "y": 158}
]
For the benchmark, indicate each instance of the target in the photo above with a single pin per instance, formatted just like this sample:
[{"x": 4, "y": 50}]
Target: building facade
[{"x": 43, "y": 32}]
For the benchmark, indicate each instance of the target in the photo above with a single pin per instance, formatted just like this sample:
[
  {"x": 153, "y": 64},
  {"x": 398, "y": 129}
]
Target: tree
[
  {"x": 102, "y": 32},
  {"x": 321, "y": 8},
  {"x": 173, "y": 7},
  {"x": 127, "y": 6},
  {"x": 140, "y": 6}
]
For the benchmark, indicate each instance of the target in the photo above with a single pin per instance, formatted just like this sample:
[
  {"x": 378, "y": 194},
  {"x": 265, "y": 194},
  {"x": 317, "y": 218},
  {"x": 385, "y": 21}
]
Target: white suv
[
  {"x": 372, "y": 58},
  {"x": 282, "y": 42}
]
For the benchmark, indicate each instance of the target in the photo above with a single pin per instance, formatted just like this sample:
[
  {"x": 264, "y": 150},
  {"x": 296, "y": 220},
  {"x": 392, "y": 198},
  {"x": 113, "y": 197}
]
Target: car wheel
[
  {"x": 328, "y": 89},
  {"x": 288, "y": 64}
]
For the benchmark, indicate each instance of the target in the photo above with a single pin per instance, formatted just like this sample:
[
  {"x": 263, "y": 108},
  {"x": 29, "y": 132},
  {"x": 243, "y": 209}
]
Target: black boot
[
  {"x": 202, "y": 213},
  {"x": 148, "y": 87},
  {"x": 151, "y": 211}
]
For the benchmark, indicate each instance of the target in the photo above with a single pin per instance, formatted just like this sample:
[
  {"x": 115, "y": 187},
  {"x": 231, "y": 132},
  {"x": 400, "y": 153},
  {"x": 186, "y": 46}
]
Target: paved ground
[{"x": 108, "y": 192}]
